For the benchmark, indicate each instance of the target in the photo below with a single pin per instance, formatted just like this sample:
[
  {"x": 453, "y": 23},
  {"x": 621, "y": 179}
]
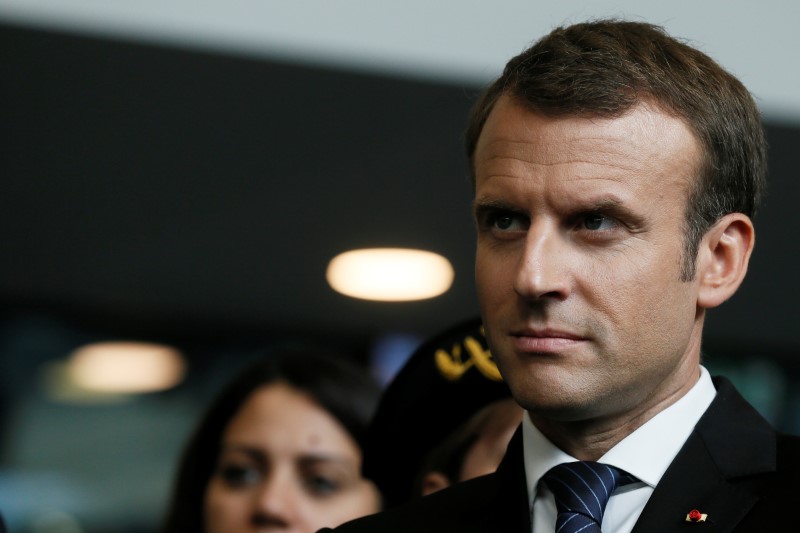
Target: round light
[
  {"x": 390, "y": 274},
  {"x": 126, "y": 367}
]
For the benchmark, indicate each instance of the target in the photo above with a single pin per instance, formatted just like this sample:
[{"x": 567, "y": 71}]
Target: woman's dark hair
[{"x": 339, "y": 386}]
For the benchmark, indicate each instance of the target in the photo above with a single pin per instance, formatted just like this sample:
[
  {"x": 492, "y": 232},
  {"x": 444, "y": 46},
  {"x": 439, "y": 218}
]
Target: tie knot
[{"x": 581, "y": 490}]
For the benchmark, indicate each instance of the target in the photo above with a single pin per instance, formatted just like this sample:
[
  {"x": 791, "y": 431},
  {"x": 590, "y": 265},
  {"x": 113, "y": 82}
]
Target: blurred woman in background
[
  {"x": 447, "y": 416},
  {"x": 279, "y": 449}
]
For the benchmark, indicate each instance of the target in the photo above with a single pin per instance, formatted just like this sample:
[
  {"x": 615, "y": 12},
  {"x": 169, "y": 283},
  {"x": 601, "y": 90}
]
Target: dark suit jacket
[{"x": 734, "y": 467}]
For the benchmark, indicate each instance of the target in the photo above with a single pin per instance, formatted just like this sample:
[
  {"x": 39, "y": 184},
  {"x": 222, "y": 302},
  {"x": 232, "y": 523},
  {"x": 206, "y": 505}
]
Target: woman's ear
[
  {"x": 433, "y": 482},
  {"x": 722, "y": 259}
]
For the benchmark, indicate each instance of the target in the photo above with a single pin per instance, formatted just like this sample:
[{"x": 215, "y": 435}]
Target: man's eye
[
  {"x": 504, "y": 222},
  {"x": 596, "y": 222}
]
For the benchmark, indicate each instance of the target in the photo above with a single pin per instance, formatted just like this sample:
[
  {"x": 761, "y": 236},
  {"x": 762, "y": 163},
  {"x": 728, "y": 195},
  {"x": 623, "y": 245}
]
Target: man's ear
[
  {"x": 723, "y": 258},
  {"x": 434, "y": 481}
]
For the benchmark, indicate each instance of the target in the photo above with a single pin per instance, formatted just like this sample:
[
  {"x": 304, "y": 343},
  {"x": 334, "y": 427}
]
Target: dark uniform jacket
[{"x": 734, "y": 468}]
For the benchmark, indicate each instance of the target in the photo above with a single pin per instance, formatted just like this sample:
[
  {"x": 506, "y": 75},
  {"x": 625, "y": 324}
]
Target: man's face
[{"x": 580, "y": 227}]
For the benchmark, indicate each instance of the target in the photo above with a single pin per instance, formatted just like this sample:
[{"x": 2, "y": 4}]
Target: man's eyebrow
[
  {"x": 610, "y": 206},
  {"x": 483, "y": 205},
  {"x": 616, "y": 207},
  {"x": 605, "y": 204}
]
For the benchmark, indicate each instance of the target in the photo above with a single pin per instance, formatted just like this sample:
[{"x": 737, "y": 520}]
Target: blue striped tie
[{"x": 582, "y": 489}]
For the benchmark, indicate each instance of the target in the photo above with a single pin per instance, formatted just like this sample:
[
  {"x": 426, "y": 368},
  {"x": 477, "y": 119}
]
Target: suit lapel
[
  {"x": 730, "y": 441},
  {"x": 694, "y": 482}
]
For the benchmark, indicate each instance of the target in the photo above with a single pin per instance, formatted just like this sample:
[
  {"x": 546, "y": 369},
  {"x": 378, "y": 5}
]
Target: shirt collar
[{"x": 662, "y": 436}]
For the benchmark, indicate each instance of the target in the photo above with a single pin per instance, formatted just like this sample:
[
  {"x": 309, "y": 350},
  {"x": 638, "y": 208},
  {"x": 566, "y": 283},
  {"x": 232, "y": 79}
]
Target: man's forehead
[{"x": 642, "y": 137}]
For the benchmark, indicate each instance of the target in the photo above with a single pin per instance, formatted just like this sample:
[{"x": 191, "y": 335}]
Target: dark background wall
[
  {"x": 167, "y": 185},
  {"x": 168, "y": 188}
]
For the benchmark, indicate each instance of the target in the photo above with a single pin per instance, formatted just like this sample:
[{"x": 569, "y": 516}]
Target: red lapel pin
[{"x": 696, "y": 516}]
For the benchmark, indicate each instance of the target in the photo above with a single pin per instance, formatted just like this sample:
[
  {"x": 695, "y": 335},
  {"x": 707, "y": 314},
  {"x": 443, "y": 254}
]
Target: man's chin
[{"x": 563, "y": 407}]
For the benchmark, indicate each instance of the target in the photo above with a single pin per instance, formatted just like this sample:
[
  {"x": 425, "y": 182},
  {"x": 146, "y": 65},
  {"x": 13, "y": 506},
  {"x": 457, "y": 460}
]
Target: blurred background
[{"x": 177, "y": 175}]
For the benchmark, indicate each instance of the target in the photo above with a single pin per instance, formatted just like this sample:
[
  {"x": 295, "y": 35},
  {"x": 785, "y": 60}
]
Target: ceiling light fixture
[
  {"x": 126, "y": 367},
  {"x": 390, "y": 274}
]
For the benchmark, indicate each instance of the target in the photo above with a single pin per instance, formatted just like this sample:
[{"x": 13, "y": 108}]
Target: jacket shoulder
[{"x": 456, "y": 507}]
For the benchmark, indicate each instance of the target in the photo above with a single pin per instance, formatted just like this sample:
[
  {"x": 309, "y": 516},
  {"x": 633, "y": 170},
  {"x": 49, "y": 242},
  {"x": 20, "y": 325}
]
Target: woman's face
[{"x": 286, "y": 465}]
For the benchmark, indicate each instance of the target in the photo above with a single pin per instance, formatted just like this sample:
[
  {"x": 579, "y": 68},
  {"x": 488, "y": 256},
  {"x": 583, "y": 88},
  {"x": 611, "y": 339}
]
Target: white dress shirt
[{"x": 646, "y": 453}]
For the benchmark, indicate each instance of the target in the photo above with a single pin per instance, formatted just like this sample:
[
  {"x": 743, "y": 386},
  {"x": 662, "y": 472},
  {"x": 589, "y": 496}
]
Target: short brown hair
[{"x": 605, "y": 67}]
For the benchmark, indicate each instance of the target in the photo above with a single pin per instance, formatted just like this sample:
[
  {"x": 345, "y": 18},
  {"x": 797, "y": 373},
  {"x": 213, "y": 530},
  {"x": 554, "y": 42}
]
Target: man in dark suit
[{"x": 616, "y": 173}]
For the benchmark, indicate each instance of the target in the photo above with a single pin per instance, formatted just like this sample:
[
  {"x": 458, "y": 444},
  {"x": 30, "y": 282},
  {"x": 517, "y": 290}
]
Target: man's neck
[{"x": 591, "y": 438}]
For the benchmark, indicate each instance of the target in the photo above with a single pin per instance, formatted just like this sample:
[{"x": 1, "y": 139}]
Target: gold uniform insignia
[{"x": 455, "y": 363}]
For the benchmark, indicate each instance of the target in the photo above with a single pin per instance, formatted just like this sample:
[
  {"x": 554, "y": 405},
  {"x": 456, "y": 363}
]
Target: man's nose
[{"x": 543, "y": 265}]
